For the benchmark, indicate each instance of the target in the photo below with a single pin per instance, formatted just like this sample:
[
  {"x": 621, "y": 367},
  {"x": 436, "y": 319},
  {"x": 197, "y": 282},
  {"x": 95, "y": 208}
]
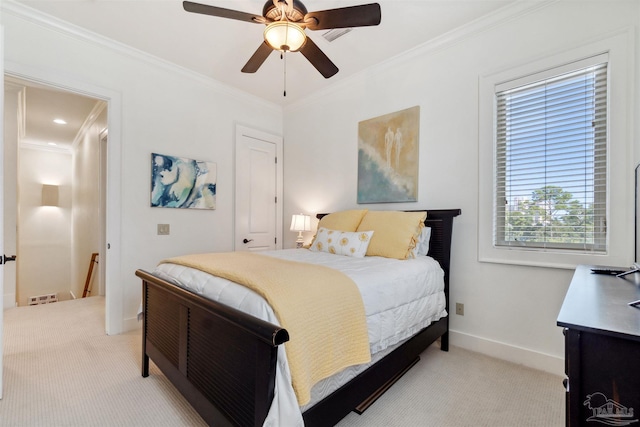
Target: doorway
[{"x": 58, "y": 187}]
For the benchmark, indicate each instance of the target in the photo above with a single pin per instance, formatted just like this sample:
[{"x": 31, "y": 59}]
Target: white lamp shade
[
  {"x": 301, "y": 222},
  {"x": 284, "y": 35}
]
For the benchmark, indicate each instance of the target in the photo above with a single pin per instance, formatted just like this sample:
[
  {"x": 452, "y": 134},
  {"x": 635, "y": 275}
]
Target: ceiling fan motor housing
[{"x": 296, "y": 14}]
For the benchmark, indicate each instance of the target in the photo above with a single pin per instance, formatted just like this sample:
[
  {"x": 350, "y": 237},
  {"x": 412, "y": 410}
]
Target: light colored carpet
[
  {"x": 60, "y": 369},
  {"x": 463, "y": 388}
]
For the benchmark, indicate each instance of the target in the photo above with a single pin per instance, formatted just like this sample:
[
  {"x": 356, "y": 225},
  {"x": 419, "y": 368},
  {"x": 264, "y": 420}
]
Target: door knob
[
  {"x": 4, "y": 259},
  {"x": 245, "y": 241}
]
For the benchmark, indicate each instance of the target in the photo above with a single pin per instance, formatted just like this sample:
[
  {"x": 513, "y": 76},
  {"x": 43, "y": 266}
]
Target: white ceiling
[{"x": 218, "y": 48}]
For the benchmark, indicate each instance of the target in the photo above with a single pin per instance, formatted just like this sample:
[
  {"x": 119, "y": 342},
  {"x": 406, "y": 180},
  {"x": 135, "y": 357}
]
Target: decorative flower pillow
[{"x": 347, "y": 243}]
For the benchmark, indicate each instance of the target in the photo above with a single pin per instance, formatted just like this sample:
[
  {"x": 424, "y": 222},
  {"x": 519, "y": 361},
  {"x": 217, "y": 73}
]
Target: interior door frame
[
  {"x": 245, "y": 131},
  {"x": 103, "y": 144},
  {"x": 1, "y": 206},
  {"x": 114, "y": 285},
  {"x": 16, "y": 100}
]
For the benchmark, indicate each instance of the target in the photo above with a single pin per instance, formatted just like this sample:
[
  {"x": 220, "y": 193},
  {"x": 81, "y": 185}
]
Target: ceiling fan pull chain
[{"x": 284, "y": 56}]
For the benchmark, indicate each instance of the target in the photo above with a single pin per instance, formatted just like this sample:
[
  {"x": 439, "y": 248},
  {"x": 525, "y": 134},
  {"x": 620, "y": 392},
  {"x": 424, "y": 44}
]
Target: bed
[{"x": 225, "y": 361}]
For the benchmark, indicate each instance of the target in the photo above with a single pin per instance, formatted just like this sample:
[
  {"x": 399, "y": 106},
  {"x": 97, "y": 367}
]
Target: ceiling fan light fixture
[{"x": 285, "y": 36}]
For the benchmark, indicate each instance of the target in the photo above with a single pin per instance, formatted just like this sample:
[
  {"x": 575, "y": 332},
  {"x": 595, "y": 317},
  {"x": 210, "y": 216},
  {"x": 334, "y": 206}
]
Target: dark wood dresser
[{"x": 602, "y": 349}]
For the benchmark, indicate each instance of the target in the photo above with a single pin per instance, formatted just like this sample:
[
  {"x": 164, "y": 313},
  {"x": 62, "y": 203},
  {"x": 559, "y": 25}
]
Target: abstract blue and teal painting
[
  {"x": 388, "y": 157},
  {"x": 177, "y": 182}
]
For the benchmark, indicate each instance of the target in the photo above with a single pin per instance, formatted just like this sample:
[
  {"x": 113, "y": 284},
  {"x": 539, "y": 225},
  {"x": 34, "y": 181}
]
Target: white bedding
[{"x": 400, "y": 298}]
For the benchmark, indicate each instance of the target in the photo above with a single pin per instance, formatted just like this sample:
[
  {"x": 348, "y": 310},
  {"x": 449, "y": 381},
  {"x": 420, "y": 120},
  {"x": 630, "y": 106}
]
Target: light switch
[{"x": 163, "y": 229}]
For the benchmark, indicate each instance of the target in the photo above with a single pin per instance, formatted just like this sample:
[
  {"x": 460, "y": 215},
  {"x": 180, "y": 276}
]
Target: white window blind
[{"x": 551, "y": 160}]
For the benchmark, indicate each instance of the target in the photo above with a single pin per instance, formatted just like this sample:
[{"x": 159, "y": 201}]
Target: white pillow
[
  {"x": 347, "y": 243},
  {"x": 422, "y": 247}
]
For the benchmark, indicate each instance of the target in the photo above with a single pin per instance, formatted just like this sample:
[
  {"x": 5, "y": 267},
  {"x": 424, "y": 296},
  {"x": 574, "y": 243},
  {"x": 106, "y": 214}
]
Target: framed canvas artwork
[
  {"x": 177, "y": 182},
  {"x": 388, "y": 157}
]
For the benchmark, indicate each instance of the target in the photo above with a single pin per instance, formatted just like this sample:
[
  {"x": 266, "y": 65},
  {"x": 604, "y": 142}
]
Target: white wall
[
  {"x": 510, "y": 311},
  {"x": 44, "y": 232},
  {"x": 160, "y": 109}
]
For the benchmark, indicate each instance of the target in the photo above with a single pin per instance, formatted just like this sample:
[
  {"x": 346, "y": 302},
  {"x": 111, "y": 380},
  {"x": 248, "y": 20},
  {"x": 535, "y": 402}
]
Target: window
[
  {"x": 595, "y": 224},
  {"x": 551, "y": 160}
]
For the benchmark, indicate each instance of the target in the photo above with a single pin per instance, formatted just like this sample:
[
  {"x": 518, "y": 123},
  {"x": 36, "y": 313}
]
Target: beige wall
[
  {"x": 44, "y": 232},
  {"x": 86, "y": 226},
  {"x": 55, "y": 243}
]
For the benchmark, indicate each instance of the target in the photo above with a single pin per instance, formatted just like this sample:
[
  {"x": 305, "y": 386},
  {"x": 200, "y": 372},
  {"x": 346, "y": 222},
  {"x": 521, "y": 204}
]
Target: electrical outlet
[
  {"x": 163, "y": 229},
  {"x": 460, "y": 309}
]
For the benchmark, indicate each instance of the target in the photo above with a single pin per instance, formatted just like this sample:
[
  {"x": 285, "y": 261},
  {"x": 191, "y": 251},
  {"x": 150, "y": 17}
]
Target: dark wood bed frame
[{"x": 223, "y": 361}]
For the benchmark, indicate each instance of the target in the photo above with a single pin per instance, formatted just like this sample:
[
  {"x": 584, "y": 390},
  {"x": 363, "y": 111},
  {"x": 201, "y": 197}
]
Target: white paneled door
[{"x": 258, "y": 215}]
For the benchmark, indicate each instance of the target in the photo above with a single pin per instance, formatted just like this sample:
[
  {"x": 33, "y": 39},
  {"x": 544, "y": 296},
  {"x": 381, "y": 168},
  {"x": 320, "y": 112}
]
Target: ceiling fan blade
[
  {"x": 258, "y": 58},
  {"x": 221, "y": 12},
  {"x": 318, "y": 59},
  {"x": 346, "y": 17}
]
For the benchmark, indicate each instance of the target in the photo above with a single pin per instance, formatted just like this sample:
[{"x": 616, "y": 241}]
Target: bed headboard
[{"x": 441, "y": 223}]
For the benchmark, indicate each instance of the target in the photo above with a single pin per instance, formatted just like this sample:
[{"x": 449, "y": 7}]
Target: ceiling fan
[{"x": 286, "y": 21}]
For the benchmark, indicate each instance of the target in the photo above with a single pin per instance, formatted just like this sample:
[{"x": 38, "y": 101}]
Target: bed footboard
[
  {"x": 223, "y": 361},
  {"x": 210, "y": 352}
]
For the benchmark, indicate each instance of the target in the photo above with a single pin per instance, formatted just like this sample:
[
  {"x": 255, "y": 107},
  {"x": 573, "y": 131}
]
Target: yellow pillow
[
  {"x": 343, "y": 221},
  {"x": 395, "y": 233}
]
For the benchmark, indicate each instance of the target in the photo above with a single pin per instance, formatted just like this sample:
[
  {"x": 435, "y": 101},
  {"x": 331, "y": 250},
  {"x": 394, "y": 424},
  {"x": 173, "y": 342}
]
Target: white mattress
[{"x": 400, "y": 298}]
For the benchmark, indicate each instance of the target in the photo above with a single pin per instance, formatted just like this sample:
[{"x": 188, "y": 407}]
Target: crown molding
[
  {"x": 44, "y": 20},
  {"x": 88, "y": 122},
  {"x": 44, "y": 147},
  {"x": 507, "y": 13}
]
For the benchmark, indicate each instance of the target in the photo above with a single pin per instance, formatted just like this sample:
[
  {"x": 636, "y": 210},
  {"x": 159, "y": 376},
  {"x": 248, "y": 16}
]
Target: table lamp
[{"x": 300, "y": 223}]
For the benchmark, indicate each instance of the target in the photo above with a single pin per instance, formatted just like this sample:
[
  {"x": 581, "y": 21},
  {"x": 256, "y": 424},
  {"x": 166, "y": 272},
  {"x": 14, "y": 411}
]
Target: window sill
[{"x": 548, "y": 258}]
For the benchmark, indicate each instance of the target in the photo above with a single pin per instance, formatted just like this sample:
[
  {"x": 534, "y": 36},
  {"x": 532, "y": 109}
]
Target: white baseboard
[
  {"x": 522, "y": 356},
  {"x": 9, "y": 301},
  {"x": 130, "y": 324}
]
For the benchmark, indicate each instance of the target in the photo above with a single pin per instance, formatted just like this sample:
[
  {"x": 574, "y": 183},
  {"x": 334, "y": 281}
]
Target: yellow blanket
[{"x": 321, "y": 308}]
